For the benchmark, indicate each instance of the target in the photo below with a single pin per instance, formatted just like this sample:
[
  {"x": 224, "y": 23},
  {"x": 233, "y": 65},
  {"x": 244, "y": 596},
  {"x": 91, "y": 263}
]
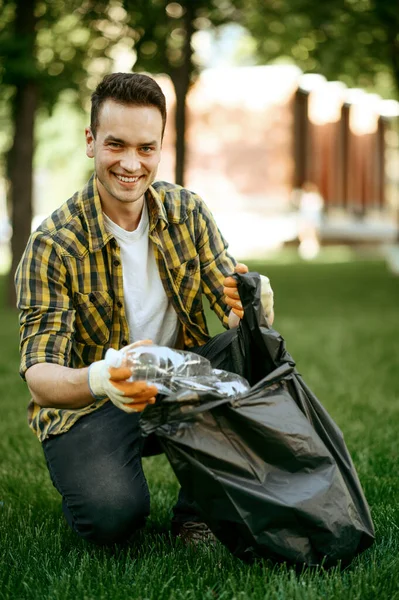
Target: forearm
[{"x": 55, "y": 386}]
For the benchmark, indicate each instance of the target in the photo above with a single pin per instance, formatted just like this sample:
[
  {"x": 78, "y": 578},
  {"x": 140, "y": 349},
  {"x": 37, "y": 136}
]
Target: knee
[{"x": 112, "y": 518}]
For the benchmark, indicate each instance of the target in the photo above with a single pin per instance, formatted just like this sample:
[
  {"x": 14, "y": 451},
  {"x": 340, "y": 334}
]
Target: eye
[
  {"x": 114, "y": 144},
  {"x": 146, "y": 149}
]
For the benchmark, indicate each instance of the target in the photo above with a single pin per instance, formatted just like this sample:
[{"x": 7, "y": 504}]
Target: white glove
[
  {"x": 111, "y": 382},
  {"x": 267, "y": 298}
]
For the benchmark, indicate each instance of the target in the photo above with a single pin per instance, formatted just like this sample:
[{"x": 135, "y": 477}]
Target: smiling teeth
[{"x": 128, "y": 179}]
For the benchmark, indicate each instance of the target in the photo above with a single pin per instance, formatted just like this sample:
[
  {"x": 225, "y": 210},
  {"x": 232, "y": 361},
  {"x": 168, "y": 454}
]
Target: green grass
[{"x": 341, "y": 323}]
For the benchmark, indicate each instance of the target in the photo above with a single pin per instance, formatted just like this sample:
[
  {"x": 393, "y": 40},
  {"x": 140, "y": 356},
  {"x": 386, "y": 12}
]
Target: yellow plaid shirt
[{"x": 70, "y": 284}]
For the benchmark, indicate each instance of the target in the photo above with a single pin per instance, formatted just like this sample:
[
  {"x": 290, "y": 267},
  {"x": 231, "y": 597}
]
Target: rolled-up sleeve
[
  {"x": 216, "y": 262},
  {"x": 46, "y": 310}
]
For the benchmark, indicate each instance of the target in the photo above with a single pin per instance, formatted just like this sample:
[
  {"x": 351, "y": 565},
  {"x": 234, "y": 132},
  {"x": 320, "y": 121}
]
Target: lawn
[{"x": 341, "y": 324}]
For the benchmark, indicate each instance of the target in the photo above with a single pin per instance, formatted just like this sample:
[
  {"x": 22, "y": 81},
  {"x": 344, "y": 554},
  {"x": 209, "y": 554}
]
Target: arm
[
  {"x": 217, "y": 265},
  {"x": 54, "y": 386},
  {"x": 47, "y": 327},
  {"x": 47, "y": 313},
  {"x": 47, "y": 320}
]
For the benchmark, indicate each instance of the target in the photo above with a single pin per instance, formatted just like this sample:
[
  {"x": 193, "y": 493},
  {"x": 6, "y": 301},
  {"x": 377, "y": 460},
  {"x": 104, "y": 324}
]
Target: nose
[{"x": 130, "y": 161}]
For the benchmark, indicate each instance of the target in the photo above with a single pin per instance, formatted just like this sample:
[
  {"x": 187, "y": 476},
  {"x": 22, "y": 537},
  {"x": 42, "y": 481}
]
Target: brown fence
[
  {"x": 347, "y": 166},
  {"x": 256, "y": 134}
]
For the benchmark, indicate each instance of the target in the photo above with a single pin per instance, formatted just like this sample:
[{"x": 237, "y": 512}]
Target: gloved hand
[
  {"x": 230, "y": 291},
  {"x": 111, "y": 382},
  {"x": 232, "y": 297}
]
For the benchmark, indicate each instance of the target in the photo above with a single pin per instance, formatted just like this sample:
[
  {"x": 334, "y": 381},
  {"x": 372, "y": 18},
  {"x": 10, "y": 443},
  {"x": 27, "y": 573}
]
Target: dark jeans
[{"x": 96, "y": 467}]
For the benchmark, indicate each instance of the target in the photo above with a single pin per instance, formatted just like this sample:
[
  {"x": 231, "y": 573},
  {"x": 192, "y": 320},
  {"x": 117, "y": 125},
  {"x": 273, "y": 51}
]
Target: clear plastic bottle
[
  {"x": 175, "y": 370},
  {"x": 159, "y": 363}
]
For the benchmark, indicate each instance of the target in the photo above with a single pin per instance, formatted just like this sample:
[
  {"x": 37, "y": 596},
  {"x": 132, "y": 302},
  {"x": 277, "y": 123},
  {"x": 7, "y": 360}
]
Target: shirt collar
[
  {"x": 93, "y": 215},
  {"x": 156, "y": 209}
]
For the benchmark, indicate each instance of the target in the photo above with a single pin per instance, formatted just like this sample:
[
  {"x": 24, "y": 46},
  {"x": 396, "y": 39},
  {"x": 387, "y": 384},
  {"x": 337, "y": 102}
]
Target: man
[{"x": 123, "y": 260}]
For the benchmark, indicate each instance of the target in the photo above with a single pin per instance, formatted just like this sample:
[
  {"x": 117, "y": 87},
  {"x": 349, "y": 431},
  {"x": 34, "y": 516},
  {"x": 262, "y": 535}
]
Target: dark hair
[{"x": 127, "y": 88}]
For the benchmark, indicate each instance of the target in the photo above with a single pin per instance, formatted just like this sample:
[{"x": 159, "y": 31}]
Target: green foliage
[
  {"x": 64, "y": 45},
  {"x": 352, "y": 40},
  {"x": 160, "y": 29},
  {"x": 60, "y": 159},
  {"x": 162, "y": 34},
  {"x": 340, "y": 323},
  {"x": 73, "y": 46}
]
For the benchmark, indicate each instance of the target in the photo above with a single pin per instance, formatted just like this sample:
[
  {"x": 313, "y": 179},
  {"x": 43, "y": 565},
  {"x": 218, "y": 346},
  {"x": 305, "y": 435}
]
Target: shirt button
[
  {"x": 116, "y": 263},
  {"x": 92, "y": 297},
  {"x": 124, "y": 342},
  {"x": 119, "y": 304}
]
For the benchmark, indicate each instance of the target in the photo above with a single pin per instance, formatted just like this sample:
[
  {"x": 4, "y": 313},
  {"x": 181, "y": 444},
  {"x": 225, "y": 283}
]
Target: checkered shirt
[{"x": 70, "y": 287}]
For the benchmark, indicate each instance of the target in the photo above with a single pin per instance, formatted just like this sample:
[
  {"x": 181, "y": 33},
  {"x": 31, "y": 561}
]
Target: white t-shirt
[{"x": 149, "y": 312}]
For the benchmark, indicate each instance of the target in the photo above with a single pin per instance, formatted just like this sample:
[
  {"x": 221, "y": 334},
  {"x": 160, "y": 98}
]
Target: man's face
[{"x": 126, "y": 151}]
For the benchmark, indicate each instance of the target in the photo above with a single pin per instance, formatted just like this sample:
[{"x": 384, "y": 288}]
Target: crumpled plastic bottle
[{"x": 176, "y": 370}]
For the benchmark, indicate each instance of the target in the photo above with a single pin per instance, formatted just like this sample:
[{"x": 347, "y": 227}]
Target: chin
[{"x": 127, "y": 198}]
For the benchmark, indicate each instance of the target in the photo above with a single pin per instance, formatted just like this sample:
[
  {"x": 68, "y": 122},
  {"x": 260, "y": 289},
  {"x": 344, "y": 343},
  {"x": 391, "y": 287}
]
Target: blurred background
[{"x": 283, "y": 115}]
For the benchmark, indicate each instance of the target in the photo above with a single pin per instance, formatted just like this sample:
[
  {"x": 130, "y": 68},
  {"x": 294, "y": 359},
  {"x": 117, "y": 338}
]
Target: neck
[
  {"x": 126, "y": 219},
  {"x": 125, "y": 214}
]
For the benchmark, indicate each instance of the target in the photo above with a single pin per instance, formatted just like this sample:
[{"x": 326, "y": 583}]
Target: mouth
[{"x": 124, "y": 179}]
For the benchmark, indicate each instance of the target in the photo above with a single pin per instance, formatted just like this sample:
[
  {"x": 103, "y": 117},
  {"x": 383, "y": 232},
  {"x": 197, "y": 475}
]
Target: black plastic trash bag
[{"x": 269, "y": 471}]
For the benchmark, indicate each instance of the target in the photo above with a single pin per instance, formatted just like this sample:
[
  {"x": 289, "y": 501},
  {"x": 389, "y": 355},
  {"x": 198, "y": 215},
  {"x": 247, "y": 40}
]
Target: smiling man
[
  {"x": 126, "y": 147},
  {"x": 122, "y": 261}
]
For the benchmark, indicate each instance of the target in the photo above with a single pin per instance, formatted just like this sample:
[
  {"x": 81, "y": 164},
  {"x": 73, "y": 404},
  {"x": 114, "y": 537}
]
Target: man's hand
[
  {"x": 111, "y": 382},
  {"x": 232, "y": 297},
  {"x": 230, "y": 291}
]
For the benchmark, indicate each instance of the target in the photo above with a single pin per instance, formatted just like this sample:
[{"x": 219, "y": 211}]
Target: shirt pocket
[
  {"x": 187, "y": 280},
  {"x": 93, "y": 317}
]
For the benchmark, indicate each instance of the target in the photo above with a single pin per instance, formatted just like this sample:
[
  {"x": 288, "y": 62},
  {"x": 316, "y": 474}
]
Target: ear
[{"x": 89, "y": 142}]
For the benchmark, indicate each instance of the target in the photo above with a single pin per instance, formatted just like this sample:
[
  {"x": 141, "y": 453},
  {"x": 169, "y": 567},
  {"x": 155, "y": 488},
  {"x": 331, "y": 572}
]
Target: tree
[
  {"x": 355, "y": 41},
  {"x": 24, "y": 105},
  {"x": 44, "y": 49},
  {"x": 163, "y": 34}
]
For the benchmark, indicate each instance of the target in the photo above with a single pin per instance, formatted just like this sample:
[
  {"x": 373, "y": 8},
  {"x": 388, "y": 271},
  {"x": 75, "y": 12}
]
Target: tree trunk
[
  {"x": 20, "y": 157},
  {"x": 21, "y": 176},
  {"x": 181, "y": 78}
]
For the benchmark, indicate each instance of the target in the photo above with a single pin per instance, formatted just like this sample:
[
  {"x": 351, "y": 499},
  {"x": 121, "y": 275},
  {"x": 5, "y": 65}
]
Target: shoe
[{"x": 193, "y": 533}]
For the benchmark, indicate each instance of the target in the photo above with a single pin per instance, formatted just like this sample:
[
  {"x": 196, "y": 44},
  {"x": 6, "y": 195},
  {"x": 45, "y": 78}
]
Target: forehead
[{"x": 130, "y": 120}]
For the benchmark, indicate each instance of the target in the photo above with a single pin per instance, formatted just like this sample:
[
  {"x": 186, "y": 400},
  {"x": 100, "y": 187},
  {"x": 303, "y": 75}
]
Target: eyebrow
[{"x": 111, "y": 138}]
